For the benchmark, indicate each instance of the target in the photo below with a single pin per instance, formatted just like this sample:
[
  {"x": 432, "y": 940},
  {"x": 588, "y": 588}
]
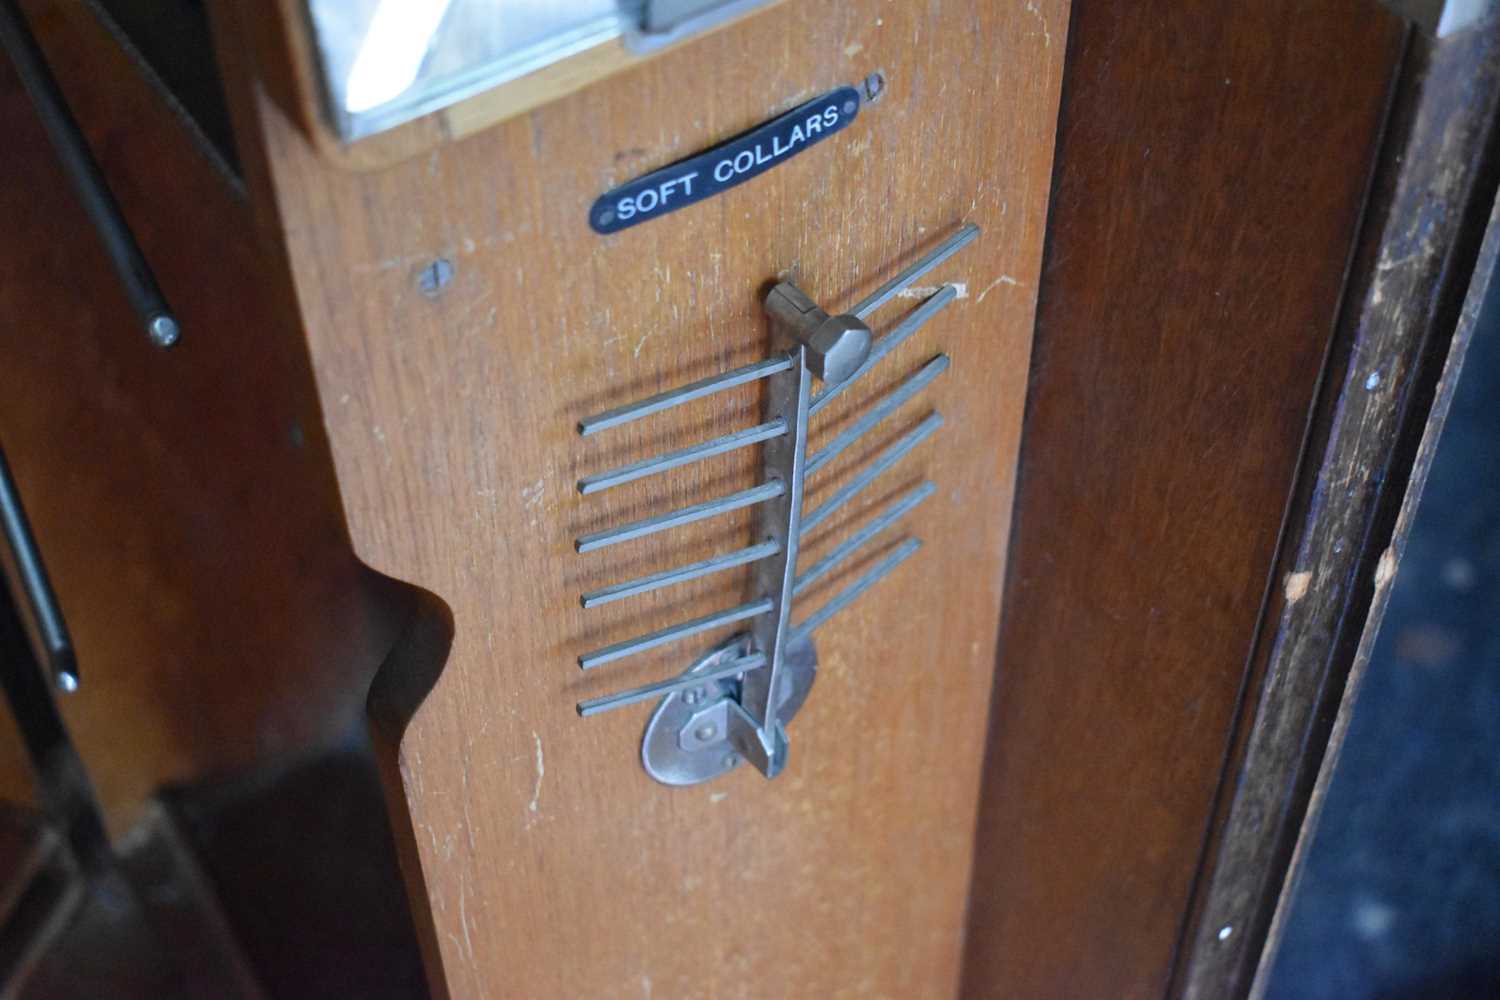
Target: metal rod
[
  {"x": 952, "y": 245},
  {"x": 675, "y": 397},
  {"x": 909, "y": 325},
  {"x": 682, "y": 574},
  {"x": 852, "y": 593},
  {"x": 651, "y": 640},
  {"x": 868, "y": 475},
  {"x": 62, "y": 782},
  {"x": 47, "y": 615},
  {"x": 685, "y": 456},
  {"x": 649, "y": 691},
  {"x": 88, "y": 182},
  {"x": 856, "y": 541},
  {"x": 677, "y": 518},
  {"x": 786, "y": 459},
  {"x": 905, "y": 391}
]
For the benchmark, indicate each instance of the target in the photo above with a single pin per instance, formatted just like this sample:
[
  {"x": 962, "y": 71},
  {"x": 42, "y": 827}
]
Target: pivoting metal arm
[
  {"x": 754, "y": 729},
  {"x": 741, "y": 695}
]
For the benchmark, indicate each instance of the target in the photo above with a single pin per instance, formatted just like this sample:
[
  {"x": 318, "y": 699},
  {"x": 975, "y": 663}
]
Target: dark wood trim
[
  {"x": 1477, "y": 299},
  {"x": 1213, "y": 163},
  {"x": 1434, "y": 187}
]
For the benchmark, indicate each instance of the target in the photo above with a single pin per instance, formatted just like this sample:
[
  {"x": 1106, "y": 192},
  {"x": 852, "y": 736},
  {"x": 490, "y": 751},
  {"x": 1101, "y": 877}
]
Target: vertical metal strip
[{"x": 780, "y": 521}]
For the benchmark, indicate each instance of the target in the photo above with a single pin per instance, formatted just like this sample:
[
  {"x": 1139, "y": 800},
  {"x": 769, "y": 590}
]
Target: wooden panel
[
  {"x": 184, "y": 500},
  {"x": 1212, "y": 161},
  {"x": 555, "y": 867}
]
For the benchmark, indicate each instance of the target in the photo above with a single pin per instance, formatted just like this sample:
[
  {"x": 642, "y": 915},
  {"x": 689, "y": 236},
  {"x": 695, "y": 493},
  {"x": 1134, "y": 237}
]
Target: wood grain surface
[
  {"x": 554, "y": 866},
  {"x": 1211, "y": 168},
  {"x": 183, "y": 500}
]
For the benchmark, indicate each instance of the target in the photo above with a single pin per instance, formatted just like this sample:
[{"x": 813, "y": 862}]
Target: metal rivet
[
  {"x": 606, "y": 217},
  {"x": 850, "y": 107},
  {"x": 690, "y": 697},
  {"x": 873, "y": 87},
  {"x": 706, "y": 732},
  {"x": 1225, "y": 931},
  {"x": 1373, "y": 381},
  {"x": 731, "y": 759},
  {"x": 435, "y": 277}
]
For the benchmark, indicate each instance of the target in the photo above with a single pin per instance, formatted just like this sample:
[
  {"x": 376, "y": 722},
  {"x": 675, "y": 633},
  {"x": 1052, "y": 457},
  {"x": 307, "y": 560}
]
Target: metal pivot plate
[{"x": 687, "y": 742}]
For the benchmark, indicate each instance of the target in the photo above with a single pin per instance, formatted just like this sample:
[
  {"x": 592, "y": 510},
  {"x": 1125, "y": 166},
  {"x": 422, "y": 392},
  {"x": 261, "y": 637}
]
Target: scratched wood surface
[{"x": 553, "y": 865}]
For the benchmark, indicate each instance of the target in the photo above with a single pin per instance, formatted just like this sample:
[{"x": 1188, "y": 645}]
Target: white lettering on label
[
  {"x": 653, "y": 198},
  {"x": 657, "y": 198},
  {"x": 747, "y": 159}
]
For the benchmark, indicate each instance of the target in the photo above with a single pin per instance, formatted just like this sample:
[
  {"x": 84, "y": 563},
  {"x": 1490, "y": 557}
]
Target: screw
[
  {"x": 706, "y": 732},
  {"x": 435, "y": 277},
  {"x": 163, "y": 330},
  {"x": 690, "y": 697},
  {"x": 874, "y": 87},
  {"x": 730, "y": 760}
]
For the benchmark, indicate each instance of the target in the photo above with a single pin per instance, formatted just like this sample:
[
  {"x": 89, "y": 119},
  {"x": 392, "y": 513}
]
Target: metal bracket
[
  {"x": 691, "y": 737},
  {"x": 660, "y": 23}
]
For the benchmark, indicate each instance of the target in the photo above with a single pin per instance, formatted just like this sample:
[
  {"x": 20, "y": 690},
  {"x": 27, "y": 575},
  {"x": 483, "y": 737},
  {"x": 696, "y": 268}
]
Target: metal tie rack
[{"x": 734, "y": 702}]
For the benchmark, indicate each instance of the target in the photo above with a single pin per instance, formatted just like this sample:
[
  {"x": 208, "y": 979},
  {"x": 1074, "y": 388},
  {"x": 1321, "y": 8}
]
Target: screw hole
[{"x": 435, "y": 277}]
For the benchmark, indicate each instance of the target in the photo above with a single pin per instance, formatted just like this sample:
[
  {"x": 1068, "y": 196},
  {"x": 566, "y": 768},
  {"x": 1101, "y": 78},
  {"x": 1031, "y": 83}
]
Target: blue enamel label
[{"x": 724, "y": 166}]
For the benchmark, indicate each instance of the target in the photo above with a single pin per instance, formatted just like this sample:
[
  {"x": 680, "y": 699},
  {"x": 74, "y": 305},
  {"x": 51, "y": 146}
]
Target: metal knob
[{"x": 836, "y": 345}]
